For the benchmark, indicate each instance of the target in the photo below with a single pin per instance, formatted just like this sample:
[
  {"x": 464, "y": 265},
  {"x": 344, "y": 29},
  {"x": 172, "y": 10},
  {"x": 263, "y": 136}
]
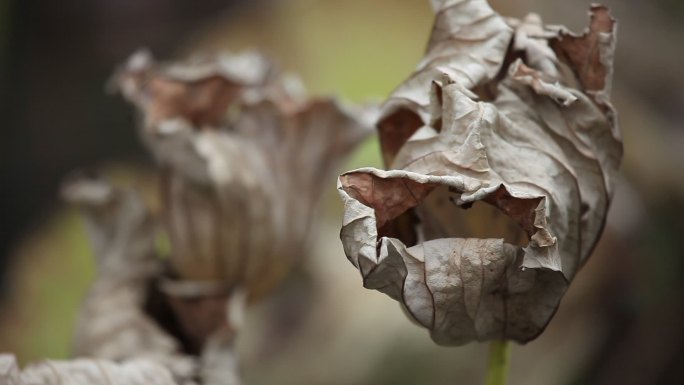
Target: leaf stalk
[{"x": 499, "y": 361}]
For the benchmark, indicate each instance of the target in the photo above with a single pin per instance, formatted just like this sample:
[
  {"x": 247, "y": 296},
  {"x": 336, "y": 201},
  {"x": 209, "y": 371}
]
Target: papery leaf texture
[
  {"x": 245, "y": 155},
  {"x": 85, "y": 371},
  {"x": 502, "y": 150},
  {"x": 113, "y": 324}
]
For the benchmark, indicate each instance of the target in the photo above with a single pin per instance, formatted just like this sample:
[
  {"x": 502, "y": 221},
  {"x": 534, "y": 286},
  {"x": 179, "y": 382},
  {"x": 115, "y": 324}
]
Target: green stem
[{"x": 499, "y": 358}]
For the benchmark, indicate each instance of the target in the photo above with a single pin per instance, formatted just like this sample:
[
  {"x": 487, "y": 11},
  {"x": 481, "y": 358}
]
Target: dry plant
[
  {"x": 244, "y": 155},
  {"x": 502, "y": 150}
]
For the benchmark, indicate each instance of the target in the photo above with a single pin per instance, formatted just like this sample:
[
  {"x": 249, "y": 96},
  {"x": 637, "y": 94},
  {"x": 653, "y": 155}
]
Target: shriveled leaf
[
  {"x": 502, "y": 149},
  {"x": 9, "y": 371},
  {"x": 113, "y": 323},
  {"x": 239, "y": 197},
  {"x": 199, "y": 90},
  {"x": 250, "y": 221},
  {"x": 84, "y": 372}
]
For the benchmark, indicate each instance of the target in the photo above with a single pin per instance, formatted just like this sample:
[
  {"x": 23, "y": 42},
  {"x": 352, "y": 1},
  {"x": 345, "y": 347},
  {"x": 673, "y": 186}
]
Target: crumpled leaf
[
  {"x": 113, "y": 323},
  {"x": 245, "y": 155},
  {"x": 84, "y": 372},
  {"x": 502, "y": 150},
  {"x": 199, "y": 90}
]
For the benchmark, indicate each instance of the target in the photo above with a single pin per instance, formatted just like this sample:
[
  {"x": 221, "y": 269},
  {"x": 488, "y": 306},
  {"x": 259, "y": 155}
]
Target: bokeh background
[{"x": 622, "y": 321}]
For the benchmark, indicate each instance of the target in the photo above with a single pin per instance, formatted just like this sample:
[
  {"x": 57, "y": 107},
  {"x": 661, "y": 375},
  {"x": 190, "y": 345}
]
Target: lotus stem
[{"x": 499, "y": 359}]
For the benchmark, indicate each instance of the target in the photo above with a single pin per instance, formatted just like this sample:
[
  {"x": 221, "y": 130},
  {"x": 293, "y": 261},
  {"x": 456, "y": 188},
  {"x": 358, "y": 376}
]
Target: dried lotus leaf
[
  {"x": 501, "y": 153},
  {"x": 239, "y": 198}
]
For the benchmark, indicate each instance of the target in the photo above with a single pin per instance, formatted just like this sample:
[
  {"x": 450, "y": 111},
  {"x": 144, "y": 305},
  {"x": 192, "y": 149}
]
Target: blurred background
[{"x": 622, "y": 321}]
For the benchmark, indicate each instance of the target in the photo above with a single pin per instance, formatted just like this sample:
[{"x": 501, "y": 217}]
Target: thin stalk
[{"x": 499, "y": 359}]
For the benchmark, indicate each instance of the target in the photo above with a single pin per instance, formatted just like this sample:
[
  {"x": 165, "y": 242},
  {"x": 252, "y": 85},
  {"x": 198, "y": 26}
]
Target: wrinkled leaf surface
[{"x": 502, "y": 148}]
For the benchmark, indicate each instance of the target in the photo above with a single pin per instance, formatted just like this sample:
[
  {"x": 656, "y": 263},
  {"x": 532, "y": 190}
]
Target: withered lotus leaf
[
  {"x": 85, "y": 371},
  {"x": 245, "y": 155},
  {"x": 502, "y": 149},
  {"x": 122, "y": 233}
]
